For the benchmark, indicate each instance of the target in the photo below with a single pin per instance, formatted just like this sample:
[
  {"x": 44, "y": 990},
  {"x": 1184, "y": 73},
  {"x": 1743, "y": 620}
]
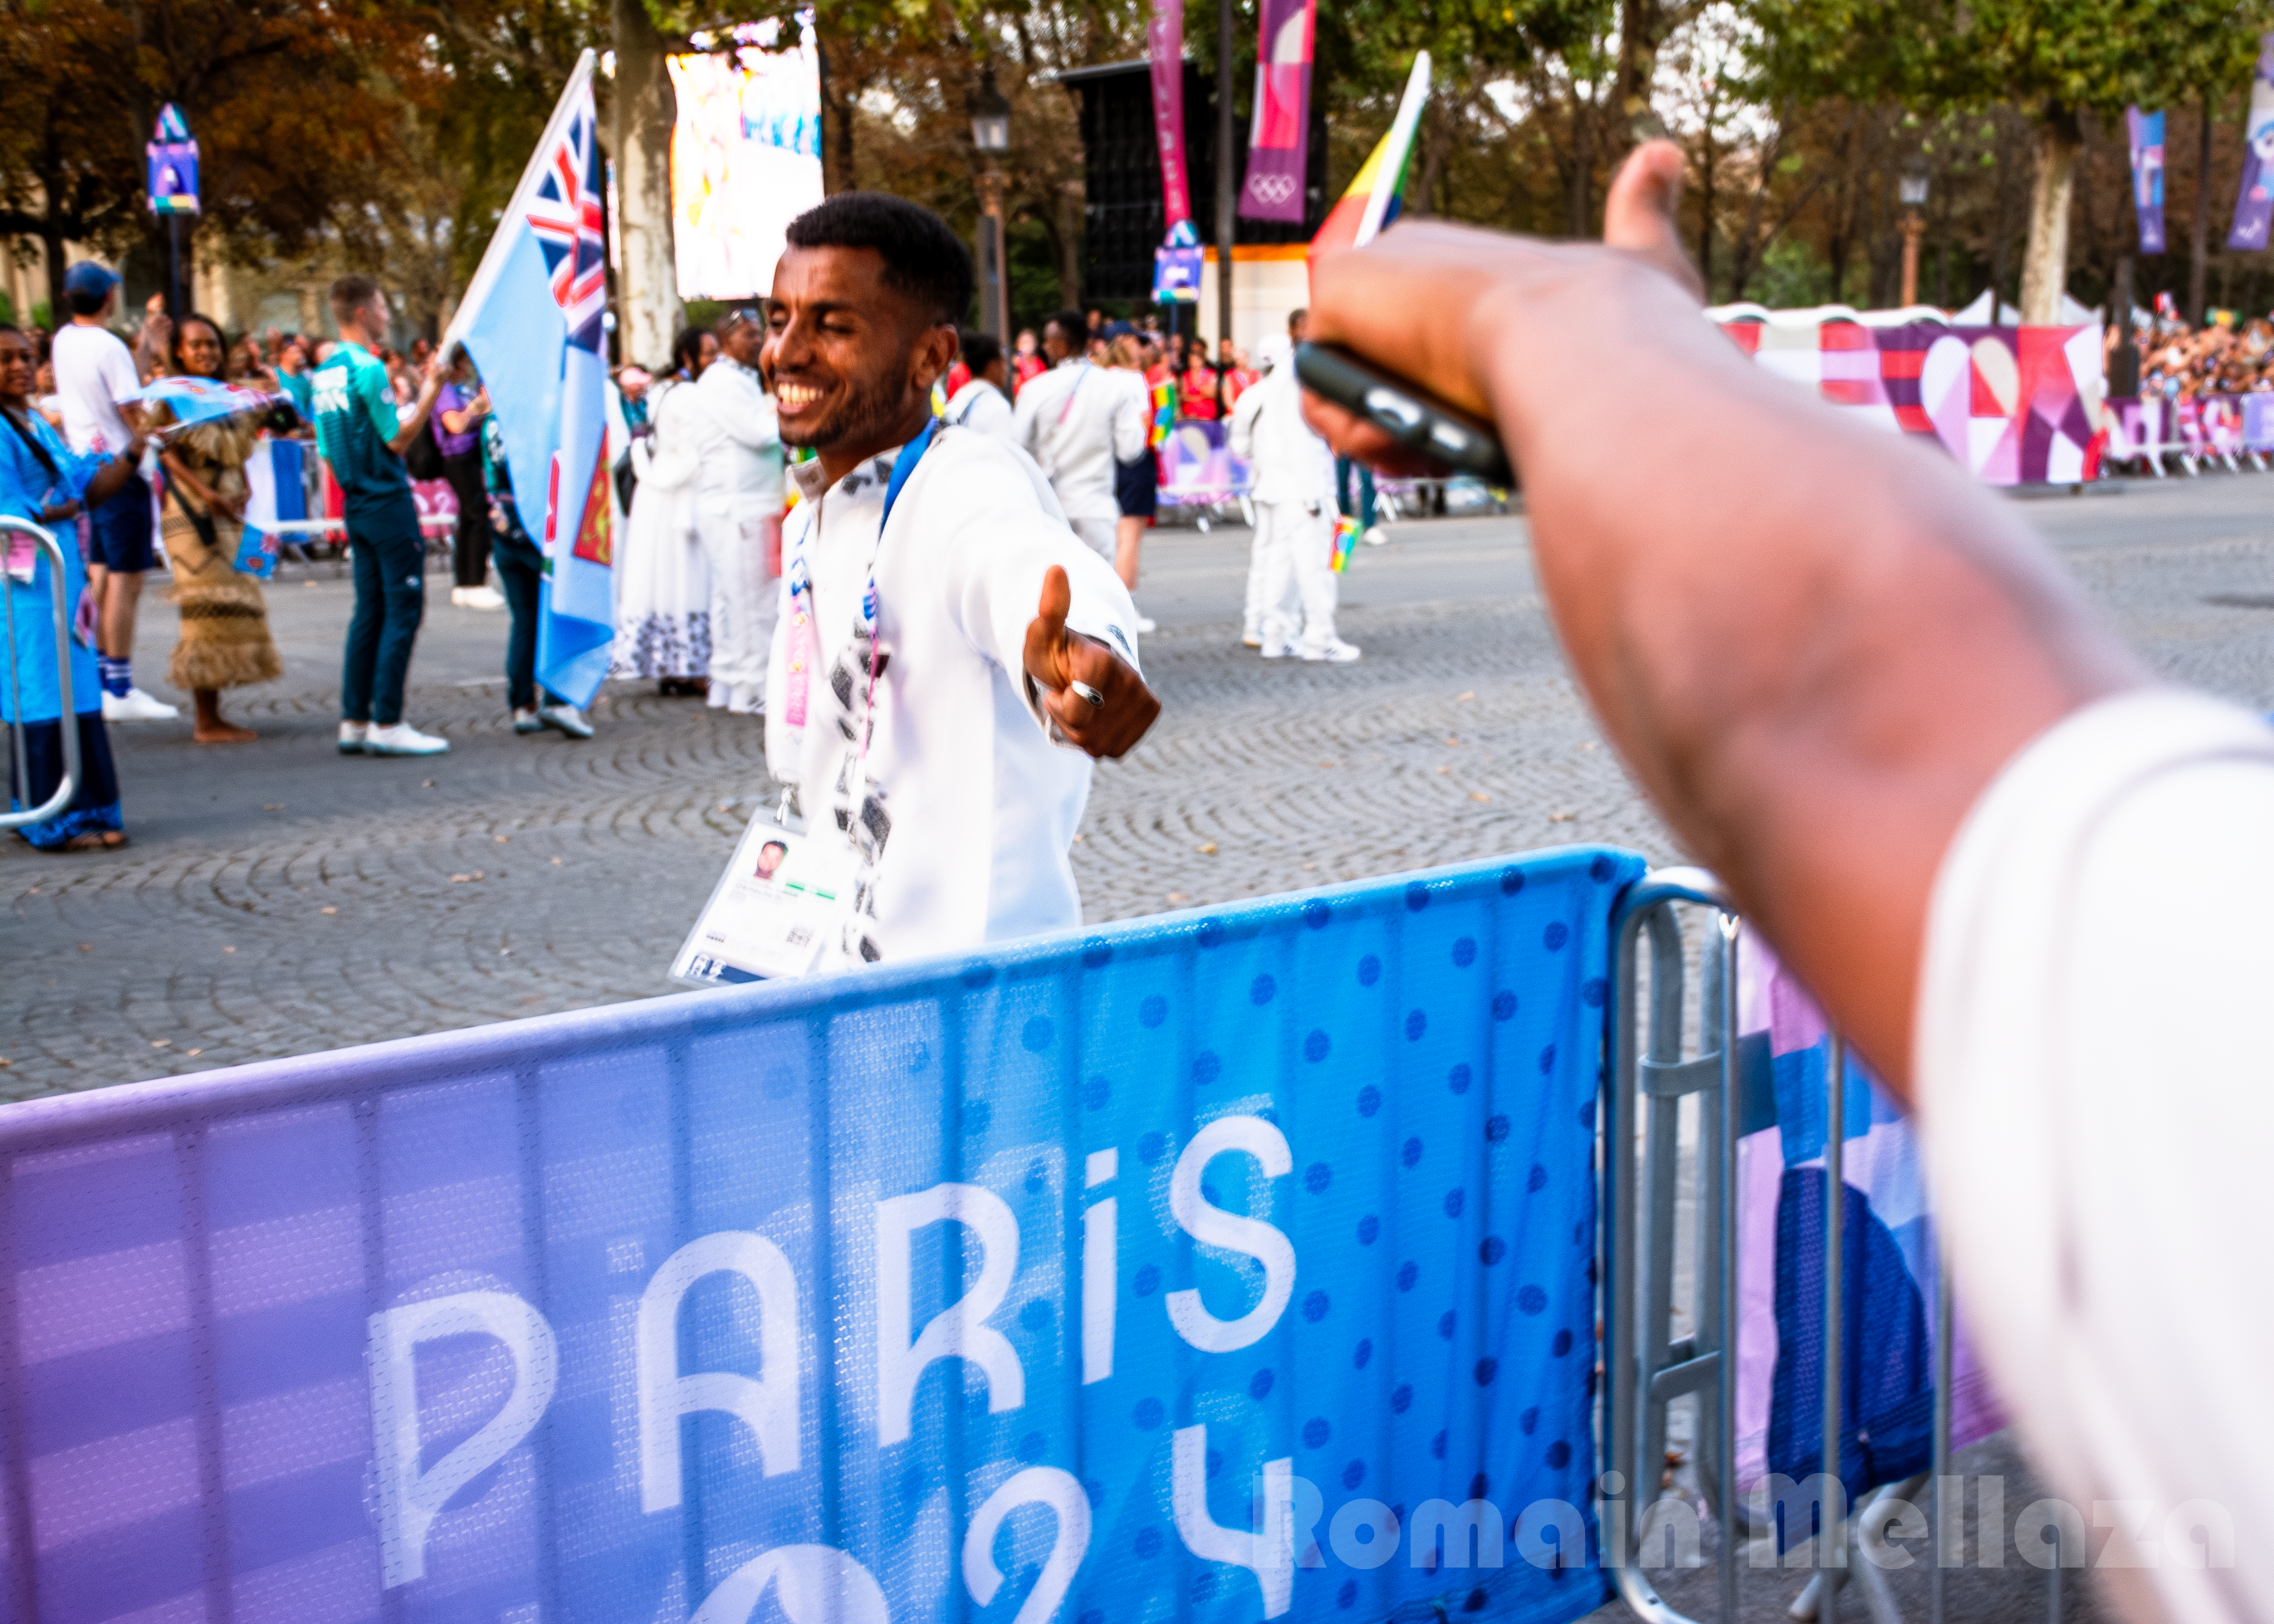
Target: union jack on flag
[{"x": 565, "y": 217}]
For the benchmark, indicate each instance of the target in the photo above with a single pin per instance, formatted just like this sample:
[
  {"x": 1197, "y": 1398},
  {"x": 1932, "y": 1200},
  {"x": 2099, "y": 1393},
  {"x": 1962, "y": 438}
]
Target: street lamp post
[
  {"x": 1911, "y": 189},
  {"x": 991, "y": 133}
]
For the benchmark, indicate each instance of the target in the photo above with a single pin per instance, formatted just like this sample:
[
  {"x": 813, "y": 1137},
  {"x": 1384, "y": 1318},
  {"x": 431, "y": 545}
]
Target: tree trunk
[
  {"x": 643, "y": 111},
  {"x": 1642, "y": 25},
  {"x": 839, "y": 97},
  {"x": 1705, "y": 212},
  {"x": 2044, "y": 259},
  {"x": 1579, "y": 201},
  {"x": 1069, "y": 239},
  {"x": 2199, "y": 240}
]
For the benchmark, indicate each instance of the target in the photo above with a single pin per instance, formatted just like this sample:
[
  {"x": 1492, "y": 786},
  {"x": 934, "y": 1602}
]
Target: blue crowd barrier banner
[{"x": 1208, "y": 1268}]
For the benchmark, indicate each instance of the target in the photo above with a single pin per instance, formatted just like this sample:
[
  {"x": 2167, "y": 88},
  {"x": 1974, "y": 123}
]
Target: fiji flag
[{"x": 532, "y": 321}]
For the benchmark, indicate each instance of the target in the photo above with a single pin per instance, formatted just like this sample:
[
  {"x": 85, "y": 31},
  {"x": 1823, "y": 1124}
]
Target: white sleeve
[
  {"x": 2091, "y": 1075},
  {"x": 116, "y": 369},
  {"x": 1131, "y": 419},
  {"x": 1242, "y": 437},
  {"x": 994, "y": 567},
  {"x": 1026, "y": 416}
]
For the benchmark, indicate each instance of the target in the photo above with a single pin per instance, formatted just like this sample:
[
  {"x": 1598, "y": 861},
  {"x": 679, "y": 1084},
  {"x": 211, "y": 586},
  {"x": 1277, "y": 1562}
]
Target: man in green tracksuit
[{"x": 363, "y": 438}]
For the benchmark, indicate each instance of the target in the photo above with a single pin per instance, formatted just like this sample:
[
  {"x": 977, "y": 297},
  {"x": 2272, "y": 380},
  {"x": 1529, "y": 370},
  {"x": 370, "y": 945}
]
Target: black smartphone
[{"x": 1414, "y": 418}]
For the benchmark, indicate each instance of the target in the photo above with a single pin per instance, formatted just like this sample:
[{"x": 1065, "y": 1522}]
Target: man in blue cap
[{"x": 95, "y": 375}]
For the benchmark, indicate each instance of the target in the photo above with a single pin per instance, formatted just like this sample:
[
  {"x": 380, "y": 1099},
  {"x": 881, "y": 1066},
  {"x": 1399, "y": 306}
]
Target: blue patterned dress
[{"x": 37, "y": 469}]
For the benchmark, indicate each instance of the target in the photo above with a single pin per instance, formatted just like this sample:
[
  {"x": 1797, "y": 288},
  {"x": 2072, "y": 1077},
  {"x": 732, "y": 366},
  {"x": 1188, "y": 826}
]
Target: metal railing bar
[{"x": 67, "y": 726}]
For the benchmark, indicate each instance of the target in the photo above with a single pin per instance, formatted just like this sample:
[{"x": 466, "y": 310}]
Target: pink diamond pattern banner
[
  {"x": 2013, "y": 405},
  {"x": 1277, "y": 141}
]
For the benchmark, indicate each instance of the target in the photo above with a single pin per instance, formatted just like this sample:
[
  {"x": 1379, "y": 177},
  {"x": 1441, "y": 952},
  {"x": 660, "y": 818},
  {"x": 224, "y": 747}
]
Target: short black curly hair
[{"x": 923, "y": 258}]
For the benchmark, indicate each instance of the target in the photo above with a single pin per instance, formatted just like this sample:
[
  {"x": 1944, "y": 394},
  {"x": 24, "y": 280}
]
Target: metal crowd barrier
[
  {"x": 68, "y": 790},
  {"x": 1647, "y": 1368}
]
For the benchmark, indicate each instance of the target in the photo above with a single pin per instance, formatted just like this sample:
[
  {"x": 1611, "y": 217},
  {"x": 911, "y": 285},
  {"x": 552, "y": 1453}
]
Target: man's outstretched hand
[{"x": 1058, "y": 659}]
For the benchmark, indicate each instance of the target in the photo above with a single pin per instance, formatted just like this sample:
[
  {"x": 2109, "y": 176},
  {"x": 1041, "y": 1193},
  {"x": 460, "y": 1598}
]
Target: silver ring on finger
[{"x": 1096, "y": 700}]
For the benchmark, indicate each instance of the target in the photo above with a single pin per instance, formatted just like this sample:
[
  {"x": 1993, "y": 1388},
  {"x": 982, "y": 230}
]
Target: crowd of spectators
[{"x": 2225, "y": 355}]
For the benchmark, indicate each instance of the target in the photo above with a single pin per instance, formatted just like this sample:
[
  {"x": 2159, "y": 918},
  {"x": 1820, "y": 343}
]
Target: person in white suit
[
  {"x": 738, "y": 505},
  {"x": 1080, "y": 422},
  {"x": 1294, "y": 496}
]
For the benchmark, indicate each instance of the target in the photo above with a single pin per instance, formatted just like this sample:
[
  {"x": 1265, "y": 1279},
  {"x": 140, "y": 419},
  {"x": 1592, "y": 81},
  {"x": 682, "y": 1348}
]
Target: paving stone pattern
[{"x": 278, "y": 898}]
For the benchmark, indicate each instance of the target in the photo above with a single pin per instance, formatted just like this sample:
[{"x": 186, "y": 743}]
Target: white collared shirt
[
  {"x": 975, "y": 807},
  {"x": 1079, "y": 421}
]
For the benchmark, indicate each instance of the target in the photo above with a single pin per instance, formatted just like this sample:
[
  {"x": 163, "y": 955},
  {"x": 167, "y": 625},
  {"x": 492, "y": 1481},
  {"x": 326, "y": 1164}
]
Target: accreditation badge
[{"x": 777, "y": 906}]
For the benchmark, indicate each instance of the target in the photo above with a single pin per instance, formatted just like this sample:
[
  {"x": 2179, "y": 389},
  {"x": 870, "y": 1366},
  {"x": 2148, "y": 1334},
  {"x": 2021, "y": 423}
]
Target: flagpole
[
  {"x": 1401, "y": 135},
  {"x": 494, "y": 257}
]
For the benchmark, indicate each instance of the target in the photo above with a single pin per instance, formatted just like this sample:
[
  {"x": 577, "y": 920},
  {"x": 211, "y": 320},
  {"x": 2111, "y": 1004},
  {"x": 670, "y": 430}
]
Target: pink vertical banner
[
  {"x": 1279, "y": 138},
  {"x": 1165, "y": 37},
  {"x": 2146, "y": 131}
]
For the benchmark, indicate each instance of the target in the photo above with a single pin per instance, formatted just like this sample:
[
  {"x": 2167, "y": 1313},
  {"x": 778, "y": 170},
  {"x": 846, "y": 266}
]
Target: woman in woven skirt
[
  {"x": 224, "y": 639},
  {"x": 42, "y": 480}
]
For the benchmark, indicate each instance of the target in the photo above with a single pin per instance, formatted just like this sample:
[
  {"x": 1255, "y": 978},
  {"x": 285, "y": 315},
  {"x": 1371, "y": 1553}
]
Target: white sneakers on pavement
[
  {"x": 1376, "y": 536},
  {"x": 135, "y": 707},
  {"x": 477, "y": 598},
  {"x": 352, "y": 735},
  {"x": 1145, "y": 626},
  {"x": 401, "y": 739},
  {"x": 565, "y": 718},
  {"x": 1335, "y": 653},
  {"x": 1275, "y": 651}
]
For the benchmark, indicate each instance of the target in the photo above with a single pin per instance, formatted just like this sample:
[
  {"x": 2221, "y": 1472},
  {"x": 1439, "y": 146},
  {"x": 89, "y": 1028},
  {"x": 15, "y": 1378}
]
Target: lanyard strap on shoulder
[{"x": 904, "y": 466}]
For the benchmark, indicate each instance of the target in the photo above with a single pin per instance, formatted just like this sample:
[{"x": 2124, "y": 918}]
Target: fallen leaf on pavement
[
  {"x": 1208, "y": 850},
  {"x": 336, "y": 910},
  {"x": 1562, "y": 817},
  {"x": 1477, "y": 794}
]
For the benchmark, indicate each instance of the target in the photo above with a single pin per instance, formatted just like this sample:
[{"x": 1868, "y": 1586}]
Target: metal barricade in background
[
  {"x": 1648, "y": 1368},
  {"x": 68, "y": 790}
]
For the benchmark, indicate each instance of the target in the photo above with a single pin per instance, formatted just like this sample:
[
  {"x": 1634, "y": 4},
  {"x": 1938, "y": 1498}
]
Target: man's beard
[{"x": 865, "y": 410}]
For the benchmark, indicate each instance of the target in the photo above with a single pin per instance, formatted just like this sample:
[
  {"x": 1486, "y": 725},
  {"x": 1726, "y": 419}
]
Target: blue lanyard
[{"x": 800, "y": 580}]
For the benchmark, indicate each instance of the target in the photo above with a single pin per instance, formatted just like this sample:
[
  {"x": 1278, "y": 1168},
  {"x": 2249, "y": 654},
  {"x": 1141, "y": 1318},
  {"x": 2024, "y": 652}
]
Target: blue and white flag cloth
[
  {"x": 275, "y": 495},
  {"x": 532, "y": 321}
]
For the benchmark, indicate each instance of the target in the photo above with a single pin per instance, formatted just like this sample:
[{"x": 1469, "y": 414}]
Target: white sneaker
[
  {"x": 1145, "y": 626},
  {"x": 1277, "y": 651},
  {"x": 1335, "y": 653},
  {"x": 1376, "y": 536},
  {"x": 477, "y": 598},
  {"x": 1251, "y": 640},
  {"x": 403, "y": 739},
  {"x": 565, "y": 718},
  {"x": 352, "y": 735},
  {"x": 135, "y": 707}
]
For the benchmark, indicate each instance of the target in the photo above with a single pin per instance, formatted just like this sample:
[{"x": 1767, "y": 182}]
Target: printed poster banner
[
  {"x": 1164, "y": 40},
  {"x": 2146, "y": 131},
  {"x": 745, "y": 156},
  {"x": 2253, "y": 202},
  {"x": 1218, "y": 1267},
  {"x": 2013, "y": 405},
  {"x": 1279, "y": 137}
]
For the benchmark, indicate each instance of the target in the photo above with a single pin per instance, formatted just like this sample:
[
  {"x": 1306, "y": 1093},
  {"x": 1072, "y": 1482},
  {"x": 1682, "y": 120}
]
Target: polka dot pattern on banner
[
  {"x": 1363, "y": 1354},
  {"x": 1316, "y": 1431},
  {"x": 1504, "y": 1006},
  {"x": 1038, "y": 1033},
  {"x": 1033, "y": 1447},
  {"x": 1316, "y": 1047},
  {"x": 1148, "y": 1414},
  {"x": 1555, "y": 936},
  {"x": 1316, "y": 915},
  {"x": 1146, "y": 1281},
  {"x": 1317, "y": 1176},
  {"x": 1455, "y": 1200},
  {"x": 1206, "y": 1068},
  {"x": 1409, "y": 1155},
  {"x": 1153, "y": 1011},
  {"x": 1315, "y": 1306},
  {"x": 1148, "y": 1543},
  {"x": 1417, "y": 1024},
  {"x": 1151, "y": 1147},
  {"x": 1458, "y": 1080},
  {"x": 1354, "y": 1474},
  {"x": 1369, "y": 1228},
  {"x": 1416, "y": 896},
  {"x": 1369, "y": 1100},
  {"x": 1261, "y": 990},
  {"x": 1464, "y": 952},
  {"x": 1369, "y": 970},
  {"x": 1531, "y": 1299},
  {"x": 1096, "y": 955},
  {"x": 1096, "y": 1096},
  {"x": 1259, "y": 1384}
]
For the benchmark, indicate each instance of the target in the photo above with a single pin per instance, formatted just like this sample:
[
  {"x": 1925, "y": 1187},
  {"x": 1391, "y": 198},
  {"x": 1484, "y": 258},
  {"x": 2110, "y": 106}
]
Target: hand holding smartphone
[{"x": 1417, "y": 420}]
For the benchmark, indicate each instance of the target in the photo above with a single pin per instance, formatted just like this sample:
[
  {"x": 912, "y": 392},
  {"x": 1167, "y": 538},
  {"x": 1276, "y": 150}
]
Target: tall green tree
[{"x": 2052, "y": 60}]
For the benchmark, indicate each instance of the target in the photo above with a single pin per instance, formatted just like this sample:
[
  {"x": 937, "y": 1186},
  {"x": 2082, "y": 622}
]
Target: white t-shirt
[
  {"x": 2095, "y": 1074},
  {"x": 1079, "y": 421},
  {"x": 970, "y": 809},
  {"x": 94, "y": 372}
]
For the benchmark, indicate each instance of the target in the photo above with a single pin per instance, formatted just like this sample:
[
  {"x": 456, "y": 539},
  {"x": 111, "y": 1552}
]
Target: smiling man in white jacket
[{"x": 948, "y": 655}]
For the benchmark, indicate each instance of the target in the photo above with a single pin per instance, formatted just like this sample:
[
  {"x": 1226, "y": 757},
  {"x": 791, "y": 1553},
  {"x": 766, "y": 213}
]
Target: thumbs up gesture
[{"x": 1097, "y": 699}]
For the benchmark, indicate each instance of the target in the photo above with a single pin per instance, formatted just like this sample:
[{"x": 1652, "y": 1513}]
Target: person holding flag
[
  {"x": 943, "y": 632},
  {"x": 533, "y": 319}
]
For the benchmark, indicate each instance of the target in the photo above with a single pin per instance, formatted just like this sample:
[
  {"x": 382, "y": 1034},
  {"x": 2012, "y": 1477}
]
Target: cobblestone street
[{"x": 278, "y": 898}]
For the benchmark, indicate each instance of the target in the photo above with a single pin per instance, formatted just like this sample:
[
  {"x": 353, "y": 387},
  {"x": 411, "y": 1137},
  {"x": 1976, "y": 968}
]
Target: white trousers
[
  {"x": 1295, "y": 546},
  {"x": 744, "y": 602}
]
